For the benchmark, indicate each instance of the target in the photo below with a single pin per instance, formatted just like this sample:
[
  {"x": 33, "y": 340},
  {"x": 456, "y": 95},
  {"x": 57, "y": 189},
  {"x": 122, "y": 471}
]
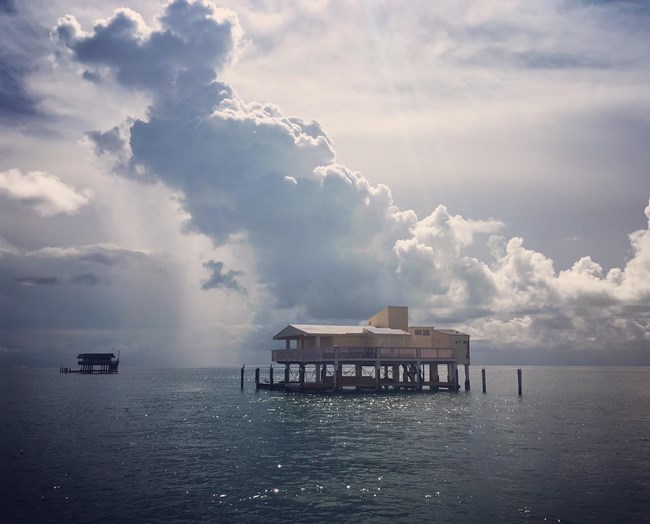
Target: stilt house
[{"x": 385, "y": 353}]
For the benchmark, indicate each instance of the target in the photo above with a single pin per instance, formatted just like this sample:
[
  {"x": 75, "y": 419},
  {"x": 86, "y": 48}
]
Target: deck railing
[{"x": 347, "y": 354}]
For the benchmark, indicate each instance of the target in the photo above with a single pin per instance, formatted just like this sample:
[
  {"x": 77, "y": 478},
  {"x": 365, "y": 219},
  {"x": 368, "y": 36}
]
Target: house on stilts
[
  {"x": 386, "y": 353},
  {"x": 95, "y": 363}
]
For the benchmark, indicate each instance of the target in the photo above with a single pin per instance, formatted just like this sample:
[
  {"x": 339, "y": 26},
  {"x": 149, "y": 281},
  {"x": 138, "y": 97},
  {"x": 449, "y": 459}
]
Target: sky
[{"x": 181, "y": 180}]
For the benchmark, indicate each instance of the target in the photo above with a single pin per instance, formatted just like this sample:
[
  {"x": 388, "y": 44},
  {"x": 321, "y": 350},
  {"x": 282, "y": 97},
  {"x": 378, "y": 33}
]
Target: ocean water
[{"x": 190, "y": 446}]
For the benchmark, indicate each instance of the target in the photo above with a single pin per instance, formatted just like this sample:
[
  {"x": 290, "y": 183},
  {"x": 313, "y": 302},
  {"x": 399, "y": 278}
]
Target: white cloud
[{"x": 47, "y": 194}]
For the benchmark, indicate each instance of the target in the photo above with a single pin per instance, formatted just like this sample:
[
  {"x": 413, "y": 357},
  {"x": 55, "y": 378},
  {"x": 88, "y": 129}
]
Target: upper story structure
[{"x": 389, "y": 328}]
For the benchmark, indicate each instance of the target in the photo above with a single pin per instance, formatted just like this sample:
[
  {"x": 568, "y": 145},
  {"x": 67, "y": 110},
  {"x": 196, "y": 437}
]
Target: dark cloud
[
  {"x": 192, "y": 37},
  {"x": 7, "y": 7},
  {"x": 91, "y": 77},
  {"x": 39, "y": 281},
  {"x": 15, "y": 100},
  {"x": 104, "y": 254},
  {"x": 107, "y": 142},
  {"x": 89, "y": 279},
  {"x": 23, "y": 46},
  {"x": 222, "y": 280}
]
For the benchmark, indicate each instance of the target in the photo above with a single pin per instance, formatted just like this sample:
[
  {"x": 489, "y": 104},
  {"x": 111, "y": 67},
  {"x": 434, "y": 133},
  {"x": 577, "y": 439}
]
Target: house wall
[
  {"x": 437, "y": 339},
  {"x": 461, "y": 349},
  {"x": 458, "y": 341},
  {"x": 388, "y": 341},
  {"x": 350, "y": 341},
  {"x": 395, "y": 317},
  {"x": 357, "y": 341},
  {"x": 421, "y": 337}
]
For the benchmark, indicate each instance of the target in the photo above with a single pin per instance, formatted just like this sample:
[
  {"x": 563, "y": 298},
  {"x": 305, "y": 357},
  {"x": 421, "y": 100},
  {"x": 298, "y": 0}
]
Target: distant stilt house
[
  {"x": 95, "y": 363},
  {"x": 386, "y": 353}
]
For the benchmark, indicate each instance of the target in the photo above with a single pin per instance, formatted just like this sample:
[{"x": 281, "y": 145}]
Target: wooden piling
[
  {"x": 257, "y": 378},
  {"x": 301, "y": 376},
  {"x": 483, "y": 380},
  {"x": 271, "y": 377},
  {"x": 241, "y": 377},
  {"x": 519, "y": 380}
]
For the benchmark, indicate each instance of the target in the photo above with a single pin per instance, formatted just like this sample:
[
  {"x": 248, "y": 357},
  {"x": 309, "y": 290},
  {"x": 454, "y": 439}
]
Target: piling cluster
[
  {"x": 287, "y": 385},
  {"x": 323, "y": 385}
]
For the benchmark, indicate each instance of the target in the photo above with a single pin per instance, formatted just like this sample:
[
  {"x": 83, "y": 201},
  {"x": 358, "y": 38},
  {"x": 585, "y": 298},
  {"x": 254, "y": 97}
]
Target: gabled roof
[
  {"x": 96, "y": 355},
  {"x": 296, "y": 330},
  {"x": 293, "y": 330},
  {"x": 384, "y": 331}
]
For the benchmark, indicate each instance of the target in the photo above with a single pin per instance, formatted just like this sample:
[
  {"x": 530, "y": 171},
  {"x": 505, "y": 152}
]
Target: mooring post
[
  {"x": 271, "y": 377},
  {"x": 519, "y": 380},
  {"x": 483, "y": 380},
  {"x": 257, "y": 378},
  {"x": 241, "y": 377}
]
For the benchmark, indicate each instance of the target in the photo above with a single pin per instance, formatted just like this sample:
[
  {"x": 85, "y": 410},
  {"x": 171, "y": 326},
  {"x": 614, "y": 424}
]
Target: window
[
  {"x": 426, "y": 332},
  {"x": 418, "y": 332}
]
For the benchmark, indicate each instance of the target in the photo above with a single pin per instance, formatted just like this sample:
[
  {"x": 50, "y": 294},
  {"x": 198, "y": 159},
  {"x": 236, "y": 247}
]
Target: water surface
[{"x": 190, "y": 446}]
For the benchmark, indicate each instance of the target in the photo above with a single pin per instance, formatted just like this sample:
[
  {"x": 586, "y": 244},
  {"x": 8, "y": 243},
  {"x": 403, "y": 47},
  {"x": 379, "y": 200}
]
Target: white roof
[
  {"x": 293, "y": 330},
  {"x": 325, "y": 329},
  {"x": 385, "y": 331}
]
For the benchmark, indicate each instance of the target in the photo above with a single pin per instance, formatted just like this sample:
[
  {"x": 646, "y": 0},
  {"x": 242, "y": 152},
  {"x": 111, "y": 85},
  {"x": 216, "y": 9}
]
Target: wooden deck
[
  {"x": 322, "y": 369},
  {"x": 366, "y": 356}
]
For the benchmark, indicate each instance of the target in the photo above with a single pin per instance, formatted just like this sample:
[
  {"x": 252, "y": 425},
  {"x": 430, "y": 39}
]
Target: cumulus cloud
[
  {"x": 194, "y": 36},
  {"x": 326, "y": 242},
  {"x": 47, "y": 194},
  {"x": 220, "y": 279}
]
